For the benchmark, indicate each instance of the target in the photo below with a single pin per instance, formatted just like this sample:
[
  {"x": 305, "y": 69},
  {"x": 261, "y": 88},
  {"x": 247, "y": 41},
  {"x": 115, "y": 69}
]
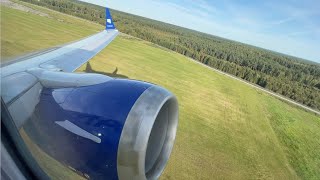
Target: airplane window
[{"x": 95, "y": 89}]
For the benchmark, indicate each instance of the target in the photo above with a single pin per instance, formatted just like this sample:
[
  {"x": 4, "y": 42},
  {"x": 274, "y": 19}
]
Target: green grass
[
  {"x": 23, "y": 32},
  {"x": 227, "y": 130}
]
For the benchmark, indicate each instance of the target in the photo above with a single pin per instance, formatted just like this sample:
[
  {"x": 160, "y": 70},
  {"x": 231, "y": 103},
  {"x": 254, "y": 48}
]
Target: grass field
[
  {"x": 227, "y": 130},
  {"x": 39, "y": 32}
]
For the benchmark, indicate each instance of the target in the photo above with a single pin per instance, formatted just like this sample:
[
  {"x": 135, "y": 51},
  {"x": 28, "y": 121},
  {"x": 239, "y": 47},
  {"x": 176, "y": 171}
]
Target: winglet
[{"x": 109, "y": 21}]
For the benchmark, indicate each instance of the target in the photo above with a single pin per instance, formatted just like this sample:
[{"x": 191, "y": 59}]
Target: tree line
[{"x": 292, "y": 77}]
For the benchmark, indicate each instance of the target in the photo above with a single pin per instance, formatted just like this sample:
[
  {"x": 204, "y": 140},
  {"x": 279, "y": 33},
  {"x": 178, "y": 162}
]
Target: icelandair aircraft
[{"x": 98, "y": 126}]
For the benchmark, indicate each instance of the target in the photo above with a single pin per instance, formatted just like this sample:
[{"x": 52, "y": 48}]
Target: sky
[{"x": 287, "y": 26}]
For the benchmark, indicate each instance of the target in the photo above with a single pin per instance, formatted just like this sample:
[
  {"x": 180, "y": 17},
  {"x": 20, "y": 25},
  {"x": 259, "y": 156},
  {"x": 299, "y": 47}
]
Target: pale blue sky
[{"x": 288, "y": 26}]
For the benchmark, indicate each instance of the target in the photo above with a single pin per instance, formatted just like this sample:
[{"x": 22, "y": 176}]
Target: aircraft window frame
[{"x": 17, "y": 149}]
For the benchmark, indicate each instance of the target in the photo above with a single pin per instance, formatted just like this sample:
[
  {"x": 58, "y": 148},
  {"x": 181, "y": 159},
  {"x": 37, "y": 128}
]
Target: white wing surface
[{"x": 67, "y": 58}]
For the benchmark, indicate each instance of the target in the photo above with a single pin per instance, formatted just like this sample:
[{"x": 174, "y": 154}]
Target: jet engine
[{"x": 103, "y": 127}]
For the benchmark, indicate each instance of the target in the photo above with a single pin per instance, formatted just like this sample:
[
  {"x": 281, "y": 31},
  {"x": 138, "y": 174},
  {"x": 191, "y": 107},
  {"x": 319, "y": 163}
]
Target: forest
[{"x": 295, "y": 78}]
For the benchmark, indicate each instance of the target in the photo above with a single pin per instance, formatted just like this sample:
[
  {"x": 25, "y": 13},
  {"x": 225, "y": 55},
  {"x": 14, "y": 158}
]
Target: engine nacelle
[{"x": 114, "y": 129}]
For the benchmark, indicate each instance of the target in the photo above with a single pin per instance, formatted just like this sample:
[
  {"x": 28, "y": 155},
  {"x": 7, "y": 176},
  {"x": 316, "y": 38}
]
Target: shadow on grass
[{"x": 113, "y": 74}]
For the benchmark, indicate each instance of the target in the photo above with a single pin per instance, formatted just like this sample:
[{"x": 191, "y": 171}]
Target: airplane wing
[
  {"x": 67, "y": 58},
  {"x": 92, "y": 123}
]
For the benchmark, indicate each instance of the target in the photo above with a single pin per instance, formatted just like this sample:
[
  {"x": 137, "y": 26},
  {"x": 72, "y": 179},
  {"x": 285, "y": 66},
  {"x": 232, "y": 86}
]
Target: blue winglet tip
[{"x": 109, "y": 20}]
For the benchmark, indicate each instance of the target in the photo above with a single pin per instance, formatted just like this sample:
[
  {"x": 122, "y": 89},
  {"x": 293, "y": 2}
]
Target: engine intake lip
[{"x": 148, "y": 135}]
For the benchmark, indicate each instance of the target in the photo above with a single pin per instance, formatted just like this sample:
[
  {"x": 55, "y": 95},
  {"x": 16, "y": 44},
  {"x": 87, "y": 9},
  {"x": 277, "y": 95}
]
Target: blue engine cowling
[{"x": 118, "y": 129}]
